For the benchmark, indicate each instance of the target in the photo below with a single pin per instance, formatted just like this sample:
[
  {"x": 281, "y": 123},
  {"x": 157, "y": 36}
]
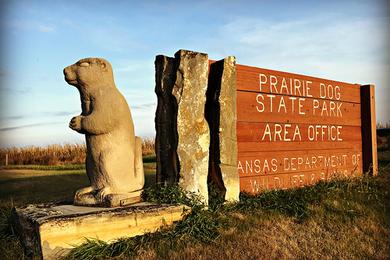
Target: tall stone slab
[
  {"x": 167, "y": 168},
  {"x": 196, "y": 141},
  {"x": 192, "y": 128},
  {"x": 221, "y": 114}
]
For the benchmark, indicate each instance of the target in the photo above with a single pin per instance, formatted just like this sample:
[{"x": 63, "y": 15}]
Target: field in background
[{"x": 55, "y": 154}]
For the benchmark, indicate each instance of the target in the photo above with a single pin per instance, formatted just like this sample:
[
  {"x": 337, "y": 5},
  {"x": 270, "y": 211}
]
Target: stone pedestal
[{"x": 51, "y": 230}]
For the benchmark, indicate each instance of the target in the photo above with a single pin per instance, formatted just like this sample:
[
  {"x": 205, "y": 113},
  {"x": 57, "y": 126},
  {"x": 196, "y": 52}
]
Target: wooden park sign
[
  {"x": 265, "y": 129},
  {"x": 295, "y": 130}
]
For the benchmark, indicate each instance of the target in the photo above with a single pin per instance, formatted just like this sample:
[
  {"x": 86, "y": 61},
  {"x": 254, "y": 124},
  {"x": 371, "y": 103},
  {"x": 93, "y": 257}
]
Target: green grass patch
[
  {"x": 65, "y": 167},
  {"x": 149, "y": 158},
  {"x": 24, "y": 186},
  {"x": 337, "y": 201}
]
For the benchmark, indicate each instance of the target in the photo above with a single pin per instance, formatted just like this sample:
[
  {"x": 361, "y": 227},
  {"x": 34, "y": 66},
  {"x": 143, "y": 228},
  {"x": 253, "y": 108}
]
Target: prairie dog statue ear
[
  {"x": 114, "y": 154},
  {"x": 103, "y": 65}
]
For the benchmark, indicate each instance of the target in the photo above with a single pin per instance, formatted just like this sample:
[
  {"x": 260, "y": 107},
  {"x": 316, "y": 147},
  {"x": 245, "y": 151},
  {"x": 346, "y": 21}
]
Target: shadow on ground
[{"x": 39, "y": 189}]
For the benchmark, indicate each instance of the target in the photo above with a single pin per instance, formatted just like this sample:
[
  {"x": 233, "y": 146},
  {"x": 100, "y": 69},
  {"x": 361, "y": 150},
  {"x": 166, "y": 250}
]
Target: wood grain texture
[
  {"x": 248, "y": 107},
  {"x": 280, "y": 162},
  {"x": 298, "y": 146},
  {"x": 257, "y": 132},
  {"x": 259, "y": 184},
  {"x": 248, "y": 79},
  {"x": 295, "y": 130}
]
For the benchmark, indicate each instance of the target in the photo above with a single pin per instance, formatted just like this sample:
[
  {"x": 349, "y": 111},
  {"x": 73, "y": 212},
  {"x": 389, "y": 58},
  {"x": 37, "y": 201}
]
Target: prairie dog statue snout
[{"x": 114, "y": 154}]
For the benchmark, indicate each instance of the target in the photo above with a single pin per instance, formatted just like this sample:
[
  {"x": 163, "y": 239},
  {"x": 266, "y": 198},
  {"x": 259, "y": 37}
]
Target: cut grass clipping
[{"x": 342, "y": 200}]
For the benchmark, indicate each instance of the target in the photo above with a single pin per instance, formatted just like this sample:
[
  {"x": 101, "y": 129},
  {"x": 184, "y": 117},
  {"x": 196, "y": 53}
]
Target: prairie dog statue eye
[{"x": 84, "y": 64}]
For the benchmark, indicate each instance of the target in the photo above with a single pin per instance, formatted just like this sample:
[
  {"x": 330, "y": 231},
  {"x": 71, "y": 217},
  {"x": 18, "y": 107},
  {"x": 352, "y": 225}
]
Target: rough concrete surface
[
  {"x": 51, "y": 230},
  {"x": 192, "y": 128}
]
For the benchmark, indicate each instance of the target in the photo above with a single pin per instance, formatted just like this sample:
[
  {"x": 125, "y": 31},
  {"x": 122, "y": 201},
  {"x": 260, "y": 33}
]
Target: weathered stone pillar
[
  {"x": 188, "y": 150},
  {"x": 192, "y": 128},
  {"x": 167, "y": 168},
  {"x": 222, "y": 117}
]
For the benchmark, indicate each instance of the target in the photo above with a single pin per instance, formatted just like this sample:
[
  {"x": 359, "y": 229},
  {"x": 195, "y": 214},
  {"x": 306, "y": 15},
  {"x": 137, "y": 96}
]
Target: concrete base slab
[{"x": 51, "y": 230}]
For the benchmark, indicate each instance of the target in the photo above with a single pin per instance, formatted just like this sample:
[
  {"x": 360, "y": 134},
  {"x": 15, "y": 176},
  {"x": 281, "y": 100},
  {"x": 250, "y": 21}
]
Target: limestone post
[
  {"x": 196, "y": 131},
  {"x": 192, "y": 128},
  {"x": 221, "y": 114}
]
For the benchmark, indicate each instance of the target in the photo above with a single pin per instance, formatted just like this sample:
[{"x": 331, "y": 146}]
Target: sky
[{"x": 339, "y": 40}]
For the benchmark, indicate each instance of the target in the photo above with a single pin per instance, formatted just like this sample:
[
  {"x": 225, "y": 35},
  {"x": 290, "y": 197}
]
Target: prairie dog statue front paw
[{"x": 75, "y": 123}]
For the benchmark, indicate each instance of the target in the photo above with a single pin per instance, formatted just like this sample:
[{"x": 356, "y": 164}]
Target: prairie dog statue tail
[{"x": 139, "y": 174}]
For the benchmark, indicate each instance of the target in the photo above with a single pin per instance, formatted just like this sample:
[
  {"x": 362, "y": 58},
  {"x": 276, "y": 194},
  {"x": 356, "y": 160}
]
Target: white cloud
[
  {"x": 311, "y": 39},
  {"x": 329, "y": 46},
  {"x": 31, "y": 25},
  {"x": 46, "y": 28}
]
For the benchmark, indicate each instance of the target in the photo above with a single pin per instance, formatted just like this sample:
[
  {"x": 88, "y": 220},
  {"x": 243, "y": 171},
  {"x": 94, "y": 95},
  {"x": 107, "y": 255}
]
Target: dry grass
[
  {"x": 339, "y": 219},
  {"x": 381, "y": 125},
  {"x": 148, "y": 146},
  {"x": 55, "y": 154},
  {"x": 49, "y": 155},
  {"x": 349, "y": 222},
  {"x": 282, "y": 238}
]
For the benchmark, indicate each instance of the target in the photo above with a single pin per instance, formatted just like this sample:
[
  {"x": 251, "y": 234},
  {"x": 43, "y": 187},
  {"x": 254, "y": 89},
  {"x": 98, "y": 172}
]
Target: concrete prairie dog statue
[{"x": 114, "y": 154}]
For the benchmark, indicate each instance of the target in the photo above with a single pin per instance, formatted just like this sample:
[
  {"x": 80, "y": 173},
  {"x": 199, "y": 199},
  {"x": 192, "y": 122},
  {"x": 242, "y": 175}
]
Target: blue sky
[{"x": 340, "y": 40}]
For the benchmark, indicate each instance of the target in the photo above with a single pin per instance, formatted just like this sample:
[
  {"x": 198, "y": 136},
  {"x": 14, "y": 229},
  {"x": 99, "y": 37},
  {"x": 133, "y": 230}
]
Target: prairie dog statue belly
[{"x": 114, "y": 153}]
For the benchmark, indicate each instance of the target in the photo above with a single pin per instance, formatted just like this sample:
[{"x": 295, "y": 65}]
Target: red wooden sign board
[{"x": 295, "y": 130}]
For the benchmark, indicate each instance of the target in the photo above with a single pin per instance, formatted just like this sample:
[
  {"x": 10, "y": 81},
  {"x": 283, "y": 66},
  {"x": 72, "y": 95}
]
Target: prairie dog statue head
[{"x": 89, "y": 72}]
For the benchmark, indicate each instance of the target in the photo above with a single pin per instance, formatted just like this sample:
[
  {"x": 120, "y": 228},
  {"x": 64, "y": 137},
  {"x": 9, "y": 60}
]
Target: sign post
[{"x": 370, "y": 157}]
